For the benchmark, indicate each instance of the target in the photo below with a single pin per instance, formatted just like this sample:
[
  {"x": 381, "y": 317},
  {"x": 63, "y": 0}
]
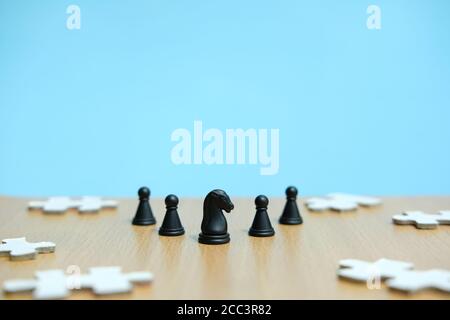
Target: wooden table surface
[{"x": 299, "y": 262}]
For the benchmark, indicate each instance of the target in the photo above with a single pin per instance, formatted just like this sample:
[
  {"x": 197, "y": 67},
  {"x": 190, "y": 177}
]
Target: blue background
[{"x": 91, "y": 111}]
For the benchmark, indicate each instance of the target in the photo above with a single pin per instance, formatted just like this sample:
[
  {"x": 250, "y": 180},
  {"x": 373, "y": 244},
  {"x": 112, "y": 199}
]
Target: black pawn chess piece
[
  {"x": 291, "y": 214},
  {"x": 144, "y": 215},
  {"x": 261, "y": 226},
  {"x": 214, "y": 225},
  {"x": 171, "y": 225}
]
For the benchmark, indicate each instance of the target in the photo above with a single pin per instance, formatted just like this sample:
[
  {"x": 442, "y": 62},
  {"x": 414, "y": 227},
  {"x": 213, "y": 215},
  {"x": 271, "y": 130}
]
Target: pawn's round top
[
  {"x": 291, "y": 192},
  {"x": 171, "y": 200},
  {"x": 261, "y": 201},
  {"x": 144, "y": 193}
]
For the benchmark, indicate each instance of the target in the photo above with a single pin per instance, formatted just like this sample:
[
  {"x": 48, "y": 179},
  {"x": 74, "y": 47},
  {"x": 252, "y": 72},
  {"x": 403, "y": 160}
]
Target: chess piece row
[{"x": 214, "y": 224}]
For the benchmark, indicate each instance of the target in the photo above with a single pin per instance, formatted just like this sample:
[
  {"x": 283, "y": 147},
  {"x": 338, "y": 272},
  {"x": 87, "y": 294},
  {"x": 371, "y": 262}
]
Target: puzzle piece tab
[
  {"x": 422, "y": 220},
  {"x": 359, "y": 270},
  {"x": 58, "y": 205},
  {"x": 21, "y": 249},
  {"x": 55, "y": 284}
]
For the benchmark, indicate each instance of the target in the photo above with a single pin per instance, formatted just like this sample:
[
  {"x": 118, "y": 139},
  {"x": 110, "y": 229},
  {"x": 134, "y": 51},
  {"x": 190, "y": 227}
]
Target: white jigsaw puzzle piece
[
  {"x": 413, "y": 281},
  {"x": 360, "y": 200},
  {"x": 55, "y": 284},
  {"x": 359, "y": 270},
  {"x": 86, "y": 204},
  {"x": 21, "y": 249},
  {"x": 111, "y": 280},
  {"x": 422, "y": 220},
  {"x": 322, "y": 204},
  {"x": 54, "y": 204},
  {"x": 94, "y": 204},
  {"x": 49, "y": 284},
  {"x": 340, "y": 202}
]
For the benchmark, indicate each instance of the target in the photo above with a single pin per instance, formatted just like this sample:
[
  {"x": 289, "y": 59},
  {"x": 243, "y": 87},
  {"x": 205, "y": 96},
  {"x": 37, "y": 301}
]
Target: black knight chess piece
[
  {"x": 261, "y": 226},
  {"x": 291, "y": 214},
  {"x": 214, "y": 225},
  {"x": 171, "y": 225},
  {"x": 144, "y": 214}
]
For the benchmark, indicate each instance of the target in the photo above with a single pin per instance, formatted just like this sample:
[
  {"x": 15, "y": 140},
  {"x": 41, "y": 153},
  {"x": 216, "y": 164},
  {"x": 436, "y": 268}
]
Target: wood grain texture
[{"x": 299, "y": 262}]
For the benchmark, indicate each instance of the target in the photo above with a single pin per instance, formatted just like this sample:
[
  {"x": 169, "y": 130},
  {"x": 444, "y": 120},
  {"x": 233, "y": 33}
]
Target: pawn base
[
  {"x": 146, "y": 222},
  {"x": 171, "y": 232},
  {"x": 291, "y": 221},
  {"x": 214, "y": 239},
  {"x": 261, "y": 233}
]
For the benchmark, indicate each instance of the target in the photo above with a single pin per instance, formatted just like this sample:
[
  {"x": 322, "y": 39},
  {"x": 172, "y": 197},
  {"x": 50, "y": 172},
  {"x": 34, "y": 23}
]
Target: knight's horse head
[
  {"x": 221, "y": 200},
  {"x": 214, "y": 223}
]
